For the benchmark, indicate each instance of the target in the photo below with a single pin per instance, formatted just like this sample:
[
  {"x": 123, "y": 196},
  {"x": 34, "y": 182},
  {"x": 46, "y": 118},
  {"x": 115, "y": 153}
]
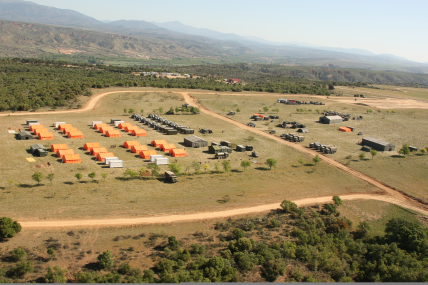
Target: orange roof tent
[
  {"x": 71, "y": 158},
  {"x": 158, "y": 142},
  {"x": 40, "y": 130},
  {"x": 63, "y": 126},
  {"x": 113, "y": 134},
  {"x": 345, "y": 129},
  {"x": 56, "y": 147},
  {"x": 178, "y": 152},
  {"x": 258, "y": 115},
  {"x": 75, "y": 135},
  {"x": 124, "y": 125},
  {"x": 101, "y": 156},
  {"x": 129, "y": 144},
  {"x": 129, "y": 129},
  {"x": 167, "y": 147},
  {"x": 90, "y": 146},
  {"x": 138, "y": 148},
  {"x": 96, "y": 150},
  {"x": 139, "y": 133},
  {"x": 66, "y": 130},
  {"x": 35, "y": 127},
  {"x": 105, "y": 129},
  {"x": 147, "y": 153},
  {"x": 62, "y": 152},
  {"x": 46, "y": 136},
  {"x": 98, "y": 126}
]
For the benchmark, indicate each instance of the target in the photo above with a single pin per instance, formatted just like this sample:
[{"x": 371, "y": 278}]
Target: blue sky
[{"x": 394, "y": 27}]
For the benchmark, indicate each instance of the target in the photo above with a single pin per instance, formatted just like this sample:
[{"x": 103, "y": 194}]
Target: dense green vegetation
[{"x": 292, "y": 243}]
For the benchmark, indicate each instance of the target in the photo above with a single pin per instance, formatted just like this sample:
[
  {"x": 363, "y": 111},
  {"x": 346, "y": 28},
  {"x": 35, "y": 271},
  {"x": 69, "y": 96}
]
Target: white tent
[
  {"x": 117, "y": 123},
  {"x": 59, "y": 123},
  {"x": 116, "y": 163},
  {"x": 107, "y": 159},
  {"x": 96, "y": 122},
  {"x": 162, "y": 161},
  {"x": 153, "y": 157}
]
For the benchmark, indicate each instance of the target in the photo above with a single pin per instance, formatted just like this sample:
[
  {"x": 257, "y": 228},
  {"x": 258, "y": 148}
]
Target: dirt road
[
  {"x": 392, "y": 195},
  {"x": 83, "y": 223}
]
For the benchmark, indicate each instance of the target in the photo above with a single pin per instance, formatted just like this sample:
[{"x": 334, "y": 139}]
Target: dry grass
[
  {"x": 386, "y": 91},
  {"x": 405, "y": 126},
  {"x": 67, "y": 198}
]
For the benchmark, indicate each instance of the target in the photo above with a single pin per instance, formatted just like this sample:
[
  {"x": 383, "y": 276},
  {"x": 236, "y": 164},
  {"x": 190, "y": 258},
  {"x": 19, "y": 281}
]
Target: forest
[{"x": 290, "y": 244}]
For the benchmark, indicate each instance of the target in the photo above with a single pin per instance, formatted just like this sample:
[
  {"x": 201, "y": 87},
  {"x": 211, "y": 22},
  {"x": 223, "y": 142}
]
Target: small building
[
  {"x": 75, "y": 135},
  {"x": 195, "y": 142},
  {"x": 331, "y": 120},
  {"x": 187, "y": 131},
  {"x": 233, "y": 80},
  {"x": 105, "y": 129},
  {"x": 171, "y": 132},
  {"x": 226, "y": 143},
  {"x": 122, "y": 126},
  {"x": 240, "y": 148},
  {"x": 61, "y": 127},
  {"x": 115, "y": 163},
  {"x": 31, "y": 122},
  {"x": 226, "y": 149},
  {"x": 40, "y": 152},
  {"x": 107, "y": 159},
  {"x": 249, "y": 148},
  {"x": 24, "y": 136},
  {"x": 35, "y": 127},
  {"x": 378, "y": 144},
  {"x": 113, "y": 121},
  {"x": 167, "y": 147},
  {"x": 214, "y": 149},
  {"x": 129, "y": 129},
  {"x": 162, "y": 161},
  {"x": 153, "y": 157},
  {"x": 40, "y": 130},
  {"x": 35, "y": 147}
]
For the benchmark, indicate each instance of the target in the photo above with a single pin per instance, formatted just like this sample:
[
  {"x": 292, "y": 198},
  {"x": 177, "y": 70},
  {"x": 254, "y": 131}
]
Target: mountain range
[{"x": 151, "y": 40}]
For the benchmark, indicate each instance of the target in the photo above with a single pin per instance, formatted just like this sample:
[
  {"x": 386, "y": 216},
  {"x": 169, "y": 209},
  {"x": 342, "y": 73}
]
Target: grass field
[
  {"x": 386, "y": 91},
  {"x": 405, "y": 126},
  {"x": 66, "y": 198}
]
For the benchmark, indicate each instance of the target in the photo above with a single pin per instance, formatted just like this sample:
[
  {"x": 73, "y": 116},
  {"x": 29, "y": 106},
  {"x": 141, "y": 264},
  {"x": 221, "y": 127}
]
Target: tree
[
  {"x": 363, "y": 229},
  {"x": 171, "y": 110},
  {"x": 51, "y": 252},
  {"x": 206, "y": 167},
  {"x": 288, "y": 206},
  {"x": 177, "y": 109},
  {"x": 174, "y": 167},
  {"x": 405, "y": 150},
  {"x": 51, "y": 177},
  {"x": 302, "y": 161},
  {"x": 224, "y": 110},
  {"x": 330, "y": 87},
  {"x": 154, "y": 169},
  {"x": 373, "y": 152},
  {"x": 226, "y": 166},
  {"x": 19, "y": 254},
  {"x": 271, "y": 163},
  {"x": 78, "y": 176},
  {"x": 217, "y": 167},
  {"x": 245, "y": 164},
  {"x": 197, "y": 167},
  {"x": 272, "y": 269},
  {"x": 173, "y": 243},
  {"x": 125, "y": 110},
  {"x": 362, "y": 156},
  {"x": 266, "y": 109},
  {"x": 161, "y": 110},
  {"x": 337, "y": 201},
  {"x": 238, "y": 110},
  {"x": 104, "y": 176},
  {"x": 105, "y": 260},
  {"x": 38, "y": 177},
  {"x": 56, "y": 275},
  {"x": 130, "y": 173},
  {"x": 316, "y": 159},
  {"x": 8, "y": 228},
  {"x": 131, "y": 111},
  {"x": 92, "y": 175},
  {"x": 142, "y": 111},
  {"x": 21, "y": 268},
  {"x": 423, "y": 151}
]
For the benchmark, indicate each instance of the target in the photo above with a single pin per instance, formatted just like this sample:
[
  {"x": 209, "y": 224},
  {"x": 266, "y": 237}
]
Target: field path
[
  {"x": 81, "y": 223},
  {"x": 391, "y": 195}
]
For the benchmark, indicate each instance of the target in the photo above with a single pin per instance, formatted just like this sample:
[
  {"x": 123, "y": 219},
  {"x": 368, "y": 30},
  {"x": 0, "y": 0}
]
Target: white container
[
  {"x": 116, "y": 163},
  {"x": 96, "y": 122},
  {"x": 107, "y": 159},
  {"x": 117, "y": 123},
  {"x": 33, "y": 124},
  {"x": 59, "y": 123},
  {"x": 153, "y": 157},
  {"x": 162, "y": 161}
]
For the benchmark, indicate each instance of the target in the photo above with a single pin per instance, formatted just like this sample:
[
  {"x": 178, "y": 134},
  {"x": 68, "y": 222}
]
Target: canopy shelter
[
  {"x": 345, "y": 129},
  {"x": 147, "y": 153},
  {"x": 138, "y": 148},
  {"x": 157, "y": 143},
  {"x": 139, "y": 133},
  {"x": 56, "y": 147},
  {"x": 102, "y": 156},
  {"x": 129, "y": 144},
  {"x": 90, "y": 146},
  {"x": 62, "y": 152},
  {"x": 96, "y": 150},
  {"x": 177, "y": 153},
  {"x": 71, "y": 158},
  {"x": 113, "y": 134}
]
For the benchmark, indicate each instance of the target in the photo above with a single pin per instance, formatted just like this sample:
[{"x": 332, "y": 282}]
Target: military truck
[
  {"x": 170, "y": 177},
  {"x": 221, "y": 155}
]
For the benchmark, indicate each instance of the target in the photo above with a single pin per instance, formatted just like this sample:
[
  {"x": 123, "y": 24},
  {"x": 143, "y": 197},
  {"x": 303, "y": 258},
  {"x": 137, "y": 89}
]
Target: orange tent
[
  {"x": 75, "y": 135},
  {"x": 178, "y": 152},
  {"x": 40, "y": 130},
  {"x": 46, "y": 136},
  {"x": 258, "y": 115},
  {"x": 105, "y": 129},
  {"x": 113, "y": 134},
  {"x": 167, "y": 147},
  {"x": 62, "y": 152},
  {"x": 139, "y": 133},
  {"x": 71, "y": 158},
  {"x": 147, "y": 153},
  {"x": 66, "y": 130},
  {"x": 129, "y": 129},
  {"x": 96, "y": 150},
  {"x": 124, "y": 125},
  {"x": 63, "y": 126},
  {"x": 101, "y": 156},
  {"x": 90, "y": 146},
  {"x": 138, "y": 148},
  {"x": 56, "y": 147},
  {"x": 98, "y": 126},
  {"x": 129, "y": 144},
  {"x": 345, "y": 129},
  {"x": 35, "y": 127},
  {"x": 158, "y": 142}
]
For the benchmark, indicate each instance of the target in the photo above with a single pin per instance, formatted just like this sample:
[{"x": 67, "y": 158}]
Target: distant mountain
[{"x": 133, "y": 24}]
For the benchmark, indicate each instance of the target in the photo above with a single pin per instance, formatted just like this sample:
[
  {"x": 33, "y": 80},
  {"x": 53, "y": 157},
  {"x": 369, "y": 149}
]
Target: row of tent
[
  {"x": 69, "y": 130},
  {"x": 103, "y": 155},
  {"x": 162, "y": 124},
  {"x": 41, "y": 132},
  {"x": 110, "y": 132},
  {"x": 67, "y": 155}
]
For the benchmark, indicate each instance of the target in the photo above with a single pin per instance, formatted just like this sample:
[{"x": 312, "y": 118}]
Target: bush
[
  {"x": 8, "y": 228},
  {"x": 19, "y": 254},
  {"x": 105, "y": 260},
  {"x": 272, "y": 269},
  {"x": 56, "y": 275},
  {"x": 288, "y": 206}
]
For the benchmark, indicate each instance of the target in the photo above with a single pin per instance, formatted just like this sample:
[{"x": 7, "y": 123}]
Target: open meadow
[{"x": 66, "y": 197}]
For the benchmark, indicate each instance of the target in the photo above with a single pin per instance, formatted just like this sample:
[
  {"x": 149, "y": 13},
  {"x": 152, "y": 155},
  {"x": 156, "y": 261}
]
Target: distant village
[{"x": 151, "y": 73}]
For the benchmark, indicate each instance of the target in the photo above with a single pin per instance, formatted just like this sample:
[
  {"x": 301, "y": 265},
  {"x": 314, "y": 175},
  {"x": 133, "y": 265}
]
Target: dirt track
[{"x": 391, "y": 195}]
